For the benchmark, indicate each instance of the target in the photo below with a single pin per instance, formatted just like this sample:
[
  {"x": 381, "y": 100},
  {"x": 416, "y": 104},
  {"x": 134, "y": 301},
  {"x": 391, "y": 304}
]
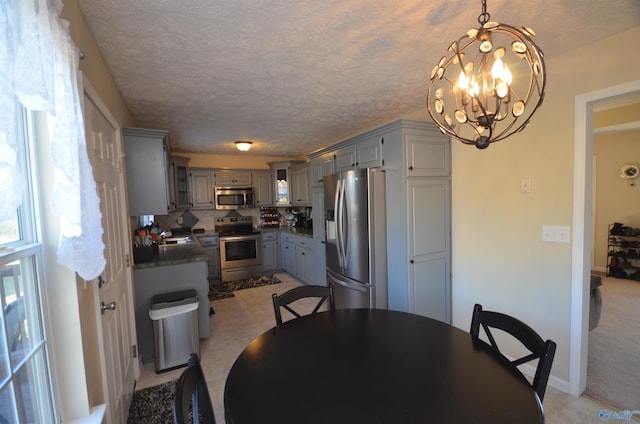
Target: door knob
[{"x": 109, "y": 306}]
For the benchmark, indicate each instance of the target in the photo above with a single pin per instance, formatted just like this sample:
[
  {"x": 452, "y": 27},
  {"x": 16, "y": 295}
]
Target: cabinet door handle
[
  {"x": 411, "y": 168},
  {"x": 411, "y": 261}
]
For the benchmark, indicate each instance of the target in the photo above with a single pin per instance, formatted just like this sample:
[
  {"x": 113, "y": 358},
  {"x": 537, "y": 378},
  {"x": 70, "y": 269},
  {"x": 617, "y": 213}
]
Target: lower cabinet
[
  {"x": 298, "y": 256},
  {"x": 270, "y": 251}
]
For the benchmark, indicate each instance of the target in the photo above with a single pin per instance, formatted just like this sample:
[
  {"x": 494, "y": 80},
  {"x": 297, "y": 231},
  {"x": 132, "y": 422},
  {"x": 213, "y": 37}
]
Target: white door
[{"x": 115, "y": 323}]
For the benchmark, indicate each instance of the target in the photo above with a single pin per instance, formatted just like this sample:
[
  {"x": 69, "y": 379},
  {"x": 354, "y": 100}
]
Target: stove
[{"x": 240, "y": 248}]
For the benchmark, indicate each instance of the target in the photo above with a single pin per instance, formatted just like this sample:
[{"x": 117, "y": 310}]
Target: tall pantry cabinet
[{"x": 417, "y": 161}]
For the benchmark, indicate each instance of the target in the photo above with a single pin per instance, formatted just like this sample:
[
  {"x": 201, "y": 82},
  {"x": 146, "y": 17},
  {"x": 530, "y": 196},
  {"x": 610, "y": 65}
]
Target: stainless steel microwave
[{"x": 233, "y": 197}]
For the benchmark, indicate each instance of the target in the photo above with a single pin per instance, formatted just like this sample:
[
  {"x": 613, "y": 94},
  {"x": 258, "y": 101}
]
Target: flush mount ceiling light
[
  {"x": 243, "y": 146},
  {"x": 479, "y": 92}
]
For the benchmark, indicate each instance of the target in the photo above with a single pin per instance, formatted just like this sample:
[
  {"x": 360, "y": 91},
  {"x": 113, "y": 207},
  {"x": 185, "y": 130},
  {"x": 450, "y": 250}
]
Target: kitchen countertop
[
  {"x": 175, "y": 254},
  {"x": 305, "y": 232}
]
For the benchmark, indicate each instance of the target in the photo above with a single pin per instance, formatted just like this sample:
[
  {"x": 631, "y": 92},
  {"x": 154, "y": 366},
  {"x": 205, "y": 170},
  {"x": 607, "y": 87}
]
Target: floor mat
[
  {"x": 225, "y": 290},
  {"x": 152, "y": 405}
]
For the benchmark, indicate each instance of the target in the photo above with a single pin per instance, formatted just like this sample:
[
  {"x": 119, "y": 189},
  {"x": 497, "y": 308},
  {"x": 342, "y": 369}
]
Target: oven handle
[{"x": 240, "y": 238}]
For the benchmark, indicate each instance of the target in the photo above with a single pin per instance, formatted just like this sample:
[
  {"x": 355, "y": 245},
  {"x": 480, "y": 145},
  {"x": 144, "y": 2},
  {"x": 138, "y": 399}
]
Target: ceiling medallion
[{"x": 479, "y": 92}]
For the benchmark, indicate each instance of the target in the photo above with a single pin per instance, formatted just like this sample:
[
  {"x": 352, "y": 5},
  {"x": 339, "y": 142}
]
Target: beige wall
[
  {"x": 616, "y": 199},
  {"x": 93, "y": 65},
  {"x": 499, "y": 259}
]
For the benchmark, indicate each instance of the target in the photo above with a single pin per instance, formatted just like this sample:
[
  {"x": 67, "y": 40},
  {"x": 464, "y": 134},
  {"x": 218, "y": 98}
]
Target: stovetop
[{"x": 235, "y": 226}]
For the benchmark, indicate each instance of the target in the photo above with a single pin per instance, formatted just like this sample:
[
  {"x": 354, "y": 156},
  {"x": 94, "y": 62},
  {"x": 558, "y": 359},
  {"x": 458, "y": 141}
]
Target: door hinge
[
  {"x": 127, "y": 260},
  {"x": 134, "y": 351}
]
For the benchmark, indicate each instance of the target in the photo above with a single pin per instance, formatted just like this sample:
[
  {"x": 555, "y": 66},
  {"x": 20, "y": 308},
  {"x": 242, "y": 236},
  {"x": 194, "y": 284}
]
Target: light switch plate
[
  {"x": 555, "y": 233},
  {"x": 525, "y": 185}
]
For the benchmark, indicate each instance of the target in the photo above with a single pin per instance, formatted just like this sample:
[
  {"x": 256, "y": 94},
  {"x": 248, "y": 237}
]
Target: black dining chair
[
  {"x": 192, "y": 402},
  {"x": 308, "y": 291},
  {"x": 540, "y": 349}
]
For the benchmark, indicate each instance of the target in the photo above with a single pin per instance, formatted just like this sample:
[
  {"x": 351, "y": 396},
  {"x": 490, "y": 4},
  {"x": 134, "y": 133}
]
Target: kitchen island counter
[
  {"x": 174, "y": 255},
  {"x": 175, "y": 268}
]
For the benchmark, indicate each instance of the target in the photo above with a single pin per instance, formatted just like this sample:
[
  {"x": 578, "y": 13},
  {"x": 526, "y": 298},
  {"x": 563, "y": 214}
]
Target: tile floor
[{"x": 240, "y": 319}]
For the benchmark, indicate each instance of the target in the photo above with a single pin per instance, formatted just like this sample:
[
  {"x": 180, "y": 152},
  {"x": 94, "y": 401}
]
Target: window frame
[{"x": 29, "y": 247}]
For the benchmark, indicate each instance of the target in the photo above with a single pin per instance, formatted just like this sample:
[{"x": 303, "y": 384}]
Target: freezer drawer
[{"x": 350, "y": 294}]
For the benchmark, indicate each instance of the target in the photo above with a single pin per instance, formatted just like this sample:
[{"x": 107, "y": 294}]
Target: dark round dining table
[{"x": 374, "y": 366}]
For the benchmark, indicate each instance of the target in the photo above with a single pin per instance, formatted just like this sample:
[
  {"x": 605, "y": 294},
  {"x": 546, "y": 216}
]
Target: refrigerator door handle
[
  {"x": 347, "y": 284},
  {"x": 344, "y": 223},
  {"x": 339, "y": 222}
]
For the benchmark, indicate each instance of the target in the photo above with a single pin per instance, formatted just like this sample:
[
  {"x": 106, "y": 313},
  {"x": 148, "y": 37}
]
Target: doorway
[
  {"x": 613, "y": 344},
  {"x": 582, "y": 212}
]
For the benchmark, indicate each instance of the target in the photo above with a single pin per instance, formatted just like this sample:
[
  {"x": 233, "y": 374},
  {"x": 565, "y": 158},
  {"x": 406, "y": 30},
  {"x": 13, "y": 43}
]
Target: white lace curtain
[{"x": 39, "y": 67}]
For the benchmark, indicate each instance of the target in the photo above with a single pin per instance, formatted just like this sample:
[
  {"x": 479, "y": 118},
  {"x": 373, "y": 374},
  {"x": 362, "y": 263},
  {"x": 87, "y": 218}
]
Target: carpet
[
  {"x": 225, "y": 290},
  {"x": 153, "y": 405},
  {"x": 614, "y": 346}
]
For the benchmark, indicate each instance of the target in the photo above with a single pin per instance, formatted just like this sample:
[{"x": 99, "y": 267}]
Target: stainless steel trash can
[{"x": 175, "y": 328}]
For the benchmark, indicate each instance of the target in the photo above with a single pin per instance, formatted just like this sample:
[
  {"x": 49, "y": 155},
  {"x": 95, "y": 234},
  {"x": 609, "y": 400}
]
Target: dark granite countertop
[
  {"x": 305, "y": 232},
  {"x": 175, "y": 254}
]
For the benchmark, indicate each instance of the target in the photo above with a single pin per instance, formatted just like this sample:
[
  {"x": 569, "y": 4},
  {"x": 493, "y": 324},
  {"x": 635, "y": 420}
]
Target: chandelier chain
[{"x": 484, "y": 16}]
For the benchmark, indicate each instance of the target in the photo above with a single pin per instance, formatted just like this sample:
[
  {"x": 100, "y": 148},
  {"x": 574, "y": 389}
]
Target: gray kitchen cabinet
[
  {"x": 202, "y": 188},
  {"x": 282, "y": 181},
  {"x": 427, "y": 156},
  {"x": 288, "y": 256},
  {"x": 304, "y": 264},
  {"x": 300, "y": 185},
  {"x": 263, "y": 188},
  {"x": 147, "y": 162},
  {"x": 319, "y": 248},
  {"x": 270, "y": 252},
  {"x": 179, "y": 193},
  {"x": 211, "y": 245},
  {"x": 366, "y": 153},
  {"x": 298, "y": 256},
  {"x": 417, "y": 167},
  {"x": 319, "y": 262},
  {"x": 233, "y": 178},
  {"x": 429, "y": 247},
  {"x": 321, "y": 166}
]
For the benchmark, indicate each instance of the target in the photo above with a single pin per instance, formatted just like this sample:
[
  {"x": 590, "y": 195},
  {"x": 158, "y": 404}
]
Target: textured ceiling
[{"x": 297, "y": 75}]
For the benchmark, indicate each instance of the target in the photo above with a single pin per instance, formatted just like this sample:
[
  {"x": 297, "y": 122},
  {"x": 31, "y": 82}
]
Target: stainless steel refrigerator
[{"x": 356, "y": 241}]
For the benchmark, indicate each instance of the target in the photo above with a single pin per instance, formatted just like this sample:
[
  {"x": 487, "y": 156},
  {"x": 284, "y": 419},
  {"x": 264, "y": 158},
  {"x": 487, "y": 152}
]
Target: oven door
[{"x": 240, "y": 251}]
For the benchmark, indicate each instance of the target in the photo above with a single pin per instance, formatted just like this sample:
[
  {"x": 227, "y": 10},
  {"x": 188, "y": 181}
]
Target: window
[{"x": 25, "y": 388}]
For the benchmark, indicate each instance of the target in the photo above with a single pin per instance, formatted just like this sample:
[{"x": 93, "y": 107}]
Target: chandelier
[{"x": 479, "y": 92}]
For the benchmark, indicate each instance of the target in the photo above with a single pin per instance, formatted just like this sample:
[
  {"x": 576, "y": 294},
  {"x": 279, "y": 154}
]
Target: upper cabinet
[
  {"x": 202, "y": 184},
  {"x": 263, "y": 188},
  {"x": 300, "y": 185},
  {"x": 233, "y": 178},
  {"x": 321, "y": 166},
  {"x": 363, "y": 154},
  {"x": 282, "y": 181},
  {"x": 179, "y": 191},
  {"x": 147, "y": 160},
  {"x": 427, "y": 156}
]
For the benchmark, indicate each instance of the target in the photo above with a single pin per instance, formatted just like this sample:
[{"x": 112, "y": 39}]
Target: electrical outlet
[
  {"x": 180, "y": 220},
  {"x": 555, "y": 233}
]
